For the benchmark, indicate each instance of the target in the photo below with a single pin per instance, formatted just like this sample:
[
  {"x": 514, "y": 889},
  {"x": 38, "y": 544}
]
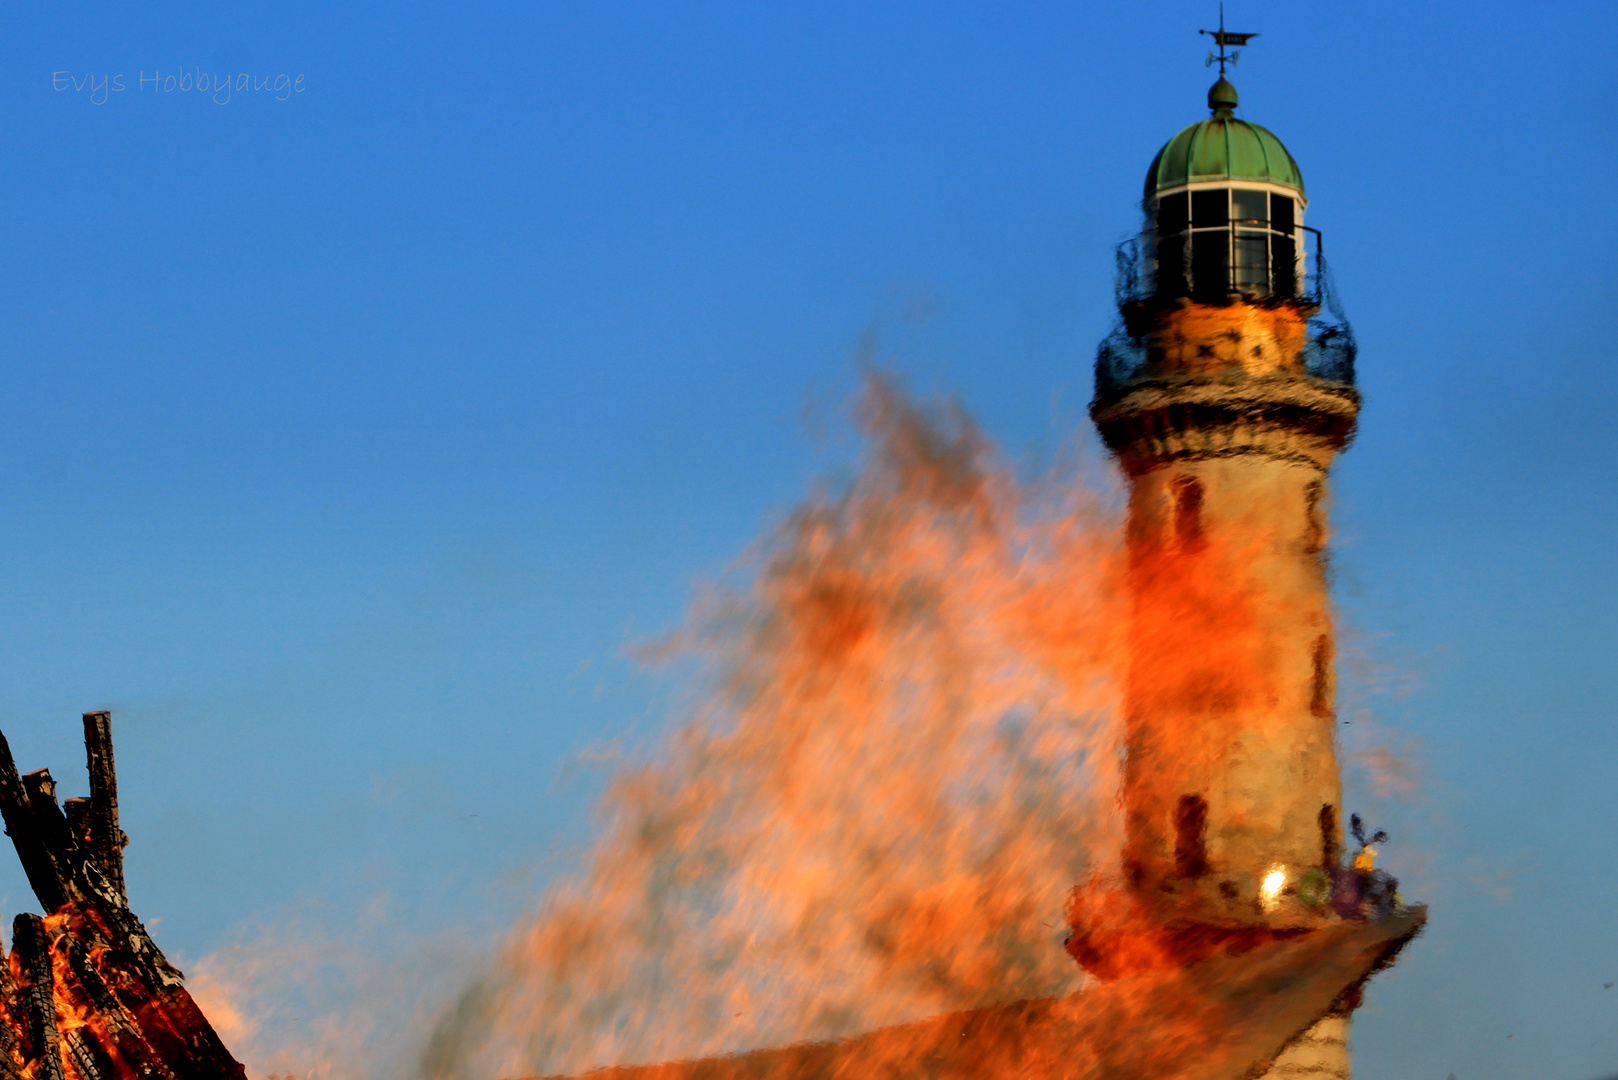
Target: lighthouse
[
  {"x": 1225, "y": 394},
  {"x": 1225, "y": 408}
]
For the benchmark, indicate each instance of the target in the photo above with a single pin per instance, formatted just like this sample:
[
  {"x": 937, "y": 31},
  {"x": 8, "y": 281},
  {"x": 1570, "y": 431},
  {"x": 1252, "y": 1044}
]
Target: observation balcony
[{"x": 1224, "y": 260}]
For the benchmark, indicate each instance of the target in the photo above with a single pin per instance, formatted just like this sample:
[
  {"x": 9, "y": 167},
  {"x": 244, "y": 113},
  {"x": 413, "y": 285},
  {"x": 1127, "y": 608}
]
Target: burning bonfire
[
  {"x": 85, "y": 994},
  {"x": 853, "y": 852},
  {"x": 88, "y": 996}
]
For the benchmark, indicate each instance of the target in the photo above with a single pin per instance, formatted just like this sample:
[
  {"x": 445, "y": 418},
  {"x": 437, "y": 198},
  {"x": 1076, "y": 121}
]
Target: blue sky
[{"x": 346, "y": 439}]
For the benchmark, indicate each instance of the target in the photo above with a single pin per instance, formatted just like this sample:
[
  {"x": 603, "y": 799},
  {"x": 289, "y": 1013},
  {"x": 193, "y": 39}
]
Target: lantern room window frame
[{"x": 1241, "y": 251}]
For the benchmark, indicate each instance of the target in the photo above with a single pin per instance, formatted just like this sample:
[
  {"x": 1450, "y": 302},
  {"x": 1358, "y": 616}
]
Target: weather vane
[{"x": 1225, "y": 37}]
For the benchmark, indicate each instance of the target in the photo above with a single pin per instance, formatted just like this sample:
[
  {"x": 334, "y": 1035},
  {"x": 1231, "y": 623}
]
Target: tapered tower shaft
[{"x": 1230, "y": 772}]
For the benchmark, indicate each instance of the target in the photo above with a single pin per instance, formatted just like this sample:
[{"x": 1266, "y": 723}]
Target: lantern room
[{"x": 1224, "y": 212}]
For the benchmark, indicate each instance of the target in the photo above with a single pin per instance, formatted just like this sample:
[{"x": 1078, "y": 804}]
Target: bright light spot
[{"x": 1269, "y": 893}]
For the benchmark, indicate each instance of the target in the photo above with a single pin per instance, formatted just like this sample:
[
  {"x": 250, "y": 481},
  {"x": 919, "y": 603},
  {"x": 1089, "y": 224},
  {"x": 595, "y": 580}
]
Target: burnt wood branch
[
  {"x": 74, "y": 1008},
  {"x": 116, "y": 1039},
  {"x": 44, "y": 875},
  {"x": 87, "y": 994},
  {"x": 49, "y": 819},
  {"x": 11, "y": 1051},
  {"x": 39, "y": 996},
  {"x": 77, "y": 812},
  {"x": 106, "y": 839},
  {"x": 81, "y": 1051}
]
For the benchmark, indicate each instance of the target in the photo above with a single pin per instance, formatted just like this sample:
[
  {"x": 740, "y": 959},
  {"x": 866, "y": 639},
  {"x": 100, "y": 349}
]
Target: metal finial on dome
[{"x": 1222, "y": 97}]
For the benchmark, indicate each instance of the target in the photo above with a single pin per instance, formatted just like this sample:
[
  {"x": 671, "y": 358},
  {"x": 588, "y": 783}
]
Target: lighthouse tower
[
  {"x": 1226, "y": 415},
  {"x": 1225, "y": 394}
]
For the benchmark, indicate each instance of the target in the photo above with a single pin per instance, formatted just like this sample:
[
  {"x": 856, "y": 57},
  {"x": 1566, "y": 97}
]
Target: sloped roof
[{"x": 1225, "y": 1018}]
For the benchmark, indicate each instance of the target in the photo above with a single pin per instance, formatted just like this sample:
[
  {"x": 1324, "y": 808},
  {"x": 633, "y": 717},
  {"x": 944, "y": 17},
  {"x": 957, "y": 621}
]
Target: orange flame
[
  {"x": 908, "y": 759},
  {"x": 902, "y": 771}
]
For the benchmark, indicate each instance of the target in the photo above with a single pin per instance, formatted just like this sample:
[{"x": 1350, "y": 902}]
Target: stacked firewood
[{"x": 85, "y": 994}]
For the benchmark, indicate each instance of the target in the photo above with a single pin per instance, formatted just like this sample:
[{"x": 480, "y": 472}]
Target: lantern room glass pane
[
  {"x": 1210, "y": 207},
  {"x": 1171, "y": 266},
  {"x": 1210, "y": 265},
  {"x": 1281, "y": 213},
  {"x": 1173, "y": 214},
  {"x": 1249, "y": 206},
  {"x": 1284, "y": 263},
  {"x": 1252, "y": 263}
]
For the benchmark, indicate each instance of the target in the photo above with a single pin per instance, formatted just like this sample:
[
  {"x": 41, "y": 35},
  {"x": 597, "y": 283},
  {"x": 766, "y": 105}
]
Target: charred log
[
  {"x": 38, "y": 862},
  {"x": 106, "y": 841},
  {"x": 38, "y": 984},
  {"x": 87, "y": 994},
  {"x": 11, "y": 1051}
]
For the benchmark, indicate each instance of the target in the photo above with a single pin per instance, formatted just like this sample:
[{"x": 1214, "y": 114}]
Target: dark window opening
[
  {"x": 1320, "y": 692},
  {"x": 1284, "y": 264},
  {"x": 1188, "y": 511},
  {"x": 1134, "y": 873},
  {"x": 1171, "y": 265},
  {"x": 1314, "y": 529},
  {"x": 1210, "y": 207},
  {"x": 1210, "y": 265},
  {"x": 1331, "y": 843},
  {"x": 1173, "y": 214},
  {"x": 1219, "y": 241},
  {"x": 1283, "y": 246},
  {"x": 1173, "y": 219},
  {"x": 1191, "y": 836},
  {"x": 1281, "y": 219}
]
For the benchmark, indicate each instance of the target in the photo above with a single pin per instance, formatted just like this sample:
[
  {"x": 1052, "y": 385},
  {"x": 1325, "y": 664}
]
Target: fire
[
  {"x": 906, "y": 763},
  {"x": 908, "y": 757}
]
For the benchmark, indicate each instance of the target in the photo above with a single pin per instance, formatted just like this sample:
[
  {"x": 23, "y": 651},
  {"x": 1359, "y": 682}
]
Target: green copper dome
[{"x": 1222, "y": 148}]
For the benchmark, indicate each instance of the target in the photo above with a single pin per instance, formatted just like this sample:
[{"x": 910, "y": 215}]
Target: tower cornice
[{"x": 1150, "y": 422}]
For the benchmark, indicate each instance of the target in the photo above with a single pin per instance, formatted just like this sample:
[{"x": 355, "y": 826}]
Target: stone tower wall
[
  {"x": 1230, "y": 770},
  {"x": 1230, "y": 695}
]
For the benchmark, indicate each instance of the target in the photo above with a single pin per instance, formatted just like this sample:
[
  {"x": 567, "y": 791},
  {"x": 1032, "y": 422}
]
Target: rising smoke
[
  {"x": 902, "y": 768},
  {"x": 902, "y": 761}
]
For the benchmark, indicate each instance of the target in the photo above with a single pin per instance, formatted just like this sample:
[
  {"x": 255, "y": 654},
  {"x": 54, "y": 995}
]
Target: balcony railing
[
  {"x": 1329, "y": 352},
  {"x": 1247, "y": 258}
]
